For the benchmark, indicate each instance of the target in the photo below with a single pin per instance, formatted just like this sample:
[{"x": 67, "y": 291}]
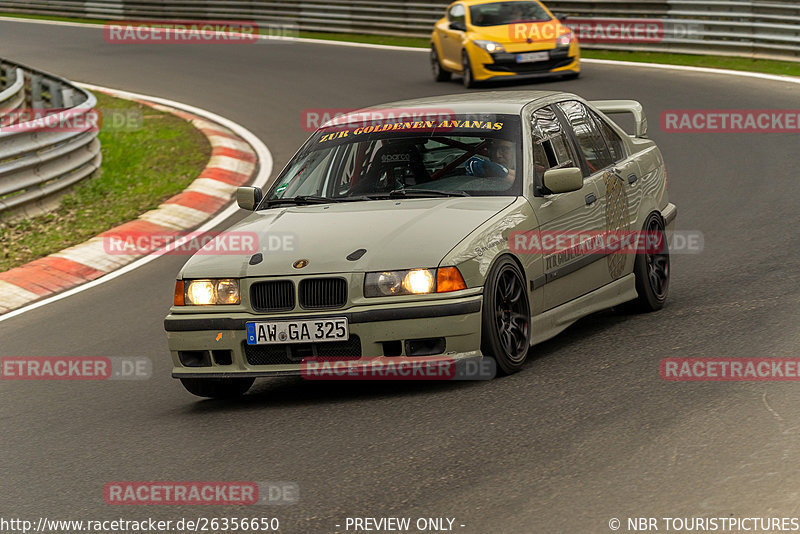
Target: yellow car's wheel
[
  {"x": 439, "y": 74},
  {"x": 466, "y": 71}
]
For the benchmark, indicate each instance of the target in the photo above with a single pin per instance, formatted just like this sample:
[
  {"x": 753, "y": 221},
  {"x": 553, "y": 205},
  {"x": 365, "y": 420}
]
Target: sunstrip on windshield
[{"x": 417, "y": 126}]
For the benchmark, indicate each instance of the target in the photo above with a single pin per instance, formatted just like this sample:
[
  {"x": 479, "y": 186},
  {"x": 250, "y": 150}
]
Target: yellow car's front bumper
[{"x": 486, "y": 66}]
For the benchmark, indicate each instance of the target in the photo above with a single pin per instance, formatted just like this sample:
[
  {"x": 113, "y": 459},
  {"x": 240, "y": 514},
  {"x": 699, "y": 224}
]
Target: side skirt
[{"x": 550, "y": 323}]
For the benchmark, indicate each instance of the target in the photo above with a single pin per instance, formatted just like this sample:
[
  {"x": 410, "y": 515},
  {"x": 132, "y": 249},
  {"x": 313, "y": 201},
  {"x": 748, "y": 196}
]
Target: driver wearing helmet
[{"x": 501, "y": 164}]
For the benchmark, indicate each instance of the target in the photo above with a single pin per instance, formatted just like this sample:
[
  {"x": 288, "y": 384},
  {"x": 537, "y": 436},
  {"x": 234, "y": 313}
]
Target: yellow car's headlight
[
  {"x": 413, "y": 282},
  {"x": 489, "y": 46},
  {"x": 565, "y": 39},
  {"x": 210, "y": 292}
]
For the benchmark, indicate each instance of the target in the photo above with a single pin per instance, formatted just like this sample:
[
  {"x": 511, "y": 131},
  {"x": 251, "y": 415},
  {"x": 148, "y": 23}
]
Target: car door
[
  {"x": 625, "y": 187},
  {"x": 616, "y": 175},
  {"x": 452, "y": 40},
  {"x": 567, "y": 274}
]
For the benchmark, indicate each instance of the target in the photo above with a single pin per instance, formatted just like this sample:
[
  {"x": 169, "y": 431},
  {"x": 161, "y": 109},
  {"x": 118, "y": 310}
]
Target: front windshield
[
  {"x": 501, "y": 13},
  {"x": 476, "y": 155}
]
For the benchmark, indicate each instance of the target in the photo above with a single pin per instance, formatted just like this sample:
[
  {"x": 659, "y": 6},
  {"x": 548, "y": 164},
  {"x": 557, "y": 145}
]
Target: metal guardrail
[
  {"x": 12, "y": 97},
  {"x": 751, "y": 28},
  {"x": 39, "y": 163}
]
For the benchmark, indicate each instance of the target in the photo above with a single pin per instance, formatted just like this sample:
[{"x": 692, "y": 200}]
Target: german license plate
[
  {"x": 530, "y": 57},
  {"x": 306, "y": 331}
]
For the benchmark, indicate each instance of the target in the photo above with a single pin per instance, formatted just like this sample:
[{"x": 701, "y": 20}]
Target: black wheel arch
[{"x": 514, "y": 258}]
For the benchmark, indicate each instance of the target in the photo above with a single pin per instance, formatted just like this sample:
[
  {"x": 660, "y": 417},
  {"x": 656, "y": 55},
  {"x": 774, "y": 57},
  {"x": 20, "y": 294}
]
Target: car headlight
[
  {"x": 413, "y": 282},
  {"x": 489, "y": 46},
  {"x": 565, "y": 39},
  {"x": 207, "y": 292}
]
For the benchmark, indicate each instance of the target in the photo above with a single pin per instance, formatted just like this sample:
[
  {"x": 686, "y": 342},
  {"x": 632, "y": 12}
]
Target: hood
[
  {"x": 542, "y": 34},
  {"x": 396, "y": 234}
]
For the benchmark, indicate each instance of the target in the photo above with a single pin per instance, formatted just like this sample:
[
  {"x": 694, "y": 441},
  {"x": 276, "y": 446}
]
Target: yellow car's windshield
[{"x": 502, "y": 13}]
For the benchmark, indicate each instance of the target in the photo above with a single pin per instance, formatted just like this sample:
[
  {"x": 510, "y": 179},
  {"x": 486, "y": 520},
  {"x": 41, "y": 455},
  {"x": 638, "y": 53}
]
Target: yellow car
[{"x": 486, "y": 40}]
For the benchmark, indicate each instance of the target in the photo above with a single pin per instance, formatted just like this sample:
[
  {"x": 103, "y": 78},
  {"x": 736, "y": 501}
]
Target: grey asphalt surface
[{"x": 587, "y": 432}]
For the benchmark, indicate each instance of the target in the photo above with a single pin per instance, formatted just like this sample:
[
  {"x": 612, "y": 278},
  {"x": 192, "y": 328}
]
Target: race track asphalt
[{"x": 587, "y": 432}]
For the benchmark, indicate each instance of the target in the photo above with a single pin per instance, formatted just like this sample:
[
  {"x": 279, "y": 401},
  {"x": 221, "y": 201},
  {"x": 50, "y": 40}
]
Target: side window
[
  {"x": 613, "y": 142},
  {"x": 457, "y": 13},
  {"x": 551, "y": 149},
  {"x": 593, "y": 147},
  {"x": 306, "y": 176}
]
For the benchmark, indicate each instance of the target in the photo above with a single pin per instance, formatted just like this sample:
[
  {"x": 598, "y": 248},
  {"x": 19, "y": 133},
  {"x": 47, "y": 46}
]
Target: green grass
[
  {"x": 788, "y": 68},
  {"x": 142, "y": 166}
]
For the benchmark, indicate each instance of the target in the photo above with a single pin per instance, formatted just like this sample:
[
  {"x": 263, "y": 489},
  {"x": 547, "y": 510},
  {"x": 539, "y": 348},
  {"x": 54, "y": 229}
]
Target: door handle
[
  {"x": 590, "y": 199},
  {"x": 632, "y": 178}
]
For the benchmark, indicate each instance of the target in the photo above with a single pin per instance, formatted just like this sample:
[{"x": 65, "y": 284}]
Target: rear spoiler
[{"x": 625, "y": 106}]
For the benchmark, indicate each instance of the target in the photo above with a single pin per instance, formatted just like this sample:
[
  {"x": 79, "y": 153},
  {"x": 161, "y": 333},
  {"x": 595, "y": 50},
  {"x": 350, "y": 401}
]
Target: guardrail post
[
  {"x": 37, "y": 102},
  {"x": 54, "y": 88},
  {"x": 5, "y": 74},
  {"x": 68, "y": 97}
]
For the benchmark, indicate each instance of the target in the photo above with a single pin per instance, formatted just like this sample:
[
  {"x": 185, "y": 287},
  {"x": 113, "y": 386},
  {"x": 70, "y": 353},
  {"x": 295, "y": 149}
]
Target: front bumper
[
  {"x": 496, "y": 66},
  {"x": 218, "y": 347}
]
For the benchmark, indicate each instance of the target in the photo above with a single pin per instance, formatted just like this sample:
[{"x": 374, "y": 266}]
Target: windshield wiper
[
  {"x": 301, "y": 200},
  {"x": 412, "y": 193}
]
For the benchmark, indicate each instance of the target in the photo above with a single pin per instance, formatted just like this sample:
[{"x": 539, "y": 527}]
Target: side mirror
[
  {"x": 563, "y": 180},
  {"x": 458, "y": 26},
  {"x": 561, "y": 16},
  {"x": 248, "y": 197}
]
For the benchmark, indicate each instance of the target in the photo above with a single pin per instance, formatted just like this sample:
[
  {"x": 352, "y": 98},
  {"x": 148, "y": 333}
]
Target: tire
[
  {"x": 466, "y": 71},
  {"x": 217, "y": 388},
  {"x": 439, "y": 74},
  {"x": 506, "y": 323},
  {"x": 652, "y": 270}
]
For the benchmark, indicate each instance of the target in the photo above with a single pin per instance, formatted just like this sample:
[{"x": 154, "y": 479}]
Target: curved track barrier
[
  {"x": 12, "y": 81},
  {"x": 48, "y": 138},
  {"x": 755, "y": 28}
]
